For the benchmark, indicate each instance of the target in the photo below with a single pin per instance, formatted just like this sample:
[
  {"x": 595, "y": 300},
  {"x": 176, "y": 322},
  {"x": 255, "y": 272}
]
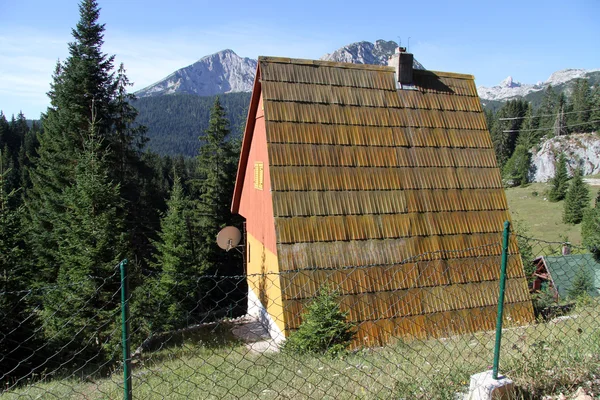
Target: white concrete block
[{"x": 484, "y": 387}]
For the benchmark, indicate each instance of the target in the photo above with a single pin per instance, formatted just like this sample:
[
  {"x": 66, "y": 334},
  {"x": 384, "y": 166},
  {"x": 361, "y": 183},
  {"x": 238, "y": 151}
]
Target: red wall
[{"x": 257, "y": 205}]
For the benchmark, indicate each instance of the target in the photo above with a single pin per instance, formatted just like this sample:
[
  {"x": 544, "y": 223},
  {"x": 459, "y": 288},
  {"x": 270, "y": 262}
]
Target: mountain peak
[
  {"x": 509, "y": 83},
  {"x": 221, "y": 72},
  {"x": 365, "y": 52}
]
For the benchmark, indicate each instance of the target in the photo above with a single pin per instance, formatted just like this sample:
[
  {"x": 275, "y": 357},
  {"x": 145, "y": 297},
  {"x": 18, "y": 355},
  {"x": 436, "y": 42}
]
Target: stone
[
  {"x": 581, "y": 150},
  {"x": 580, "y": 394},
  {"x": 484, "y": 387}
]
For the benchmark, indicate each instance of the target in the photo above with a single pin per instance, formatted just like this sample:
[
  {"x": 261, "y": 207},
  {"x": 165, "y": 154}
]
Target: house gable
[{"x": 253, "y": 200}]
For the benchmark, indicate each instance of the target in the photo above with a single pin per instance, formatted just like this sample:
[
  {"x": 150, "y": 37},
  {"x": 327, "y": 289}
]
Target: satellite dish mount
[{"x": 229, "y": 238}]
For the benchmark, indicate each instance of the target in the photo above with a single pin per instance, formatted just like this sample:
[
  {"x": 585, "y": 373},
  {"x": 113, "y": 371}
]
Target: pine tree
[
  {"x": 577, "y": 200},
  {"x": 529, "y": 136},
  {"x": 590, "y": 228},
  {"x": 178, "y": 287},
  {"x": 4, "y": 130},
  {"x": 11, "y": 137},
  {"x": 19, "y": 129},
  {"x": 505, "y": 132},
  {"x": 516, "y": 169},
  {"x": 132, "y": 172},
  {"x": 84, "y": 82},
  {"x": 217, "y": 165},
  {"x": 582, "y": 285},
  {"x": 27, "y": 156},
  {"x": 130, "y": 139},
  {"x": 79, "y": 318},
  {"x": 18, "y": 339},
  {"x": 581, "y": 104},
  {"x": 595, "y": 114},
  {"x": 560, "y": 181},
  {"x": 324, "y": 328},
  {"x": 547, "y": 111}
]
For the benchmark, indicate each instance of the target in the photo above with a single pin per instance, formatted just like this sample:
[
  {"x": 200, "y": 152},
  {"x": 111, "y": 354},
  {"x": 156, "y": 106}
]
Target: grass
[
  {"x": 542, "y": 218},
  {"x": 542, "y": 358}
]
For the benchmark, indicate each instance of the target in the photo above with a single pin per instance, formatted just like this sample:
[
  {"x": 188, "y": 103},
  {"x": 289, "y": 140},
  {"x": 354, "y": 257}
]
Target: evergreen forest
[
  {"x": 80, "y": 191},
  {"x": 174, "y": 121}
]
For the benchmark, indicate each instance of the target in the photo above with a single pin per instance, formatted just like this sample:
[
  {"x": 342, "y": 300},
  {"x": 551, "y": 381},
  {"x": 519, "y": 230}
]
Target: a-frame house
[{"x": 383, "y": 183}]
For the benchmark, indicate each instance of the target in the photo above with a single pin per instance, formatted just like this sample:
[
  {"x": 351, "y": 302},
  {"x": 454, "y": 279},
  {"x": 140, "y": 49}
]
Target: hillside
[
  {"x": 176, "y": 121},
  {"x": 529, "y": 207}
]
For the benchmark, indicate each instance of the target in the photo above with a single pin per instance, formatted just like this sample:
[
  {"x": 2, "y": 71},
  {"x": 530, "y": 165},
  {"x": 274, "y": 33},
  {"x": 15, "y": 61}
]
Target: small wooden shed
[
  {"x": 388, "y": 191},
  {"x": 556, "y": 274}
]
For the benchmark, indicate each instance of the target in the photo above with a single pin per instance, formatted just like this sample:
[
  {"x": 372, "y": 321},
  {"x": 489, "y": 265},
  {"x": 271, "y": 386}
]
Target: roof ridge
[
  {"x": 443, "y": 74},
  {"x": 302, "y": 61},
  {"x": 368, "y": 67}
]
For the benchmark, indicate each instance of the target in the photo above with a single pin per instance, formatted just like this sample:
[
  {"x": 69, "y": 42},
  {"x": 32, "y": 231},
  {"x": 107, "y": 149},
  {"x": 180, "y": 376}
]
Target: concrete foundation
[
  {"x": 257, "y": 310},
  {"x": 484, "y": 387}
]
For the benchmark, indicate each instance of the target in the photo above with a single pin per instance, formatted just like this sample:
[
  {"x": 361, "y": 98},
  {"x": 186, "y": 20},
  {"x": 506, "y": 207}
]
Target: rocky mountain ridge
[
  {"x": 226, "y": 72},
  {"x": 364, "y": 52},
  {"x": 222, "y": 72},
  {"x": 510, "y": 89}
]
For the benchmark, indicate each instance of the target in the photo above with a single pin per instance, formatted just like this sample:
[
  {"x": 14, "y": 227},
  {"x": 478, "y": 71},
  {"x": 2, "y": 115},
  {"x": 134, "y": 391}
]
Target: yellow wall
[{"x": 263, "y": 278}]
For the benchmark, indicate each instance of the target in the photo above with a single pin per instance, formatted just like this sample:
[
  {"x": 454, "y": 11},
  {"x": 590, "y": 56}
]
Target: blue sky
[{"x": 491, "y": 40}]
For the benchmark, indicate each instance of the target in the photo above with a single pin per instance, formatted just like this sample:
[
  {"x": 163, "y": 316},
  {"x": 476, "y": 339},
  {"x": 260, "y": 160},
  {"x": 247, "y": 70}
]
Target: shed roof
[{"x": 563, "y": 270}]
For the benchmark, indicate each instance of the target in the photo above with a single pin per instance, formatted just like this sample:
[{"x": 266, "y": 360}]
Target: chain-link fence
[{"x": 418, "y": 329}]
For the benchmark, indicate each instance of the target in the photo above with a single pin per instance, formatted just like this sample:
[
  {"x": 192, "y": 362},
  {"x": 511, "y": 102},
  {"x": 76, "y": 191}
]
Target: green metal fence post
[
  {"x": 125, "y": 331},
  {"x": 501, "y": 299}
]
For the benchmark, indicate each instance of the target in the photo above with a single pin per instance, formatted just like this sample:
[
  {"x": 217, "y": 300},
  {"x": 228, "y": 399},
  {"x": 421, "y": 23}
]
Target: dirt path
[
  {"x": 255, "y": 336},
  {"x": 592, "y": 181}
]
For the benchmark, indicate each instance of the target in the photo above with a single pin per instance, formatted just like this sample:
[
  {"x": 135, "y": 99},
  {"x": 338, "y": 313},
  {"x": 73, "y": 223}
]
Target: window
[{"x": 258, "y": 175}]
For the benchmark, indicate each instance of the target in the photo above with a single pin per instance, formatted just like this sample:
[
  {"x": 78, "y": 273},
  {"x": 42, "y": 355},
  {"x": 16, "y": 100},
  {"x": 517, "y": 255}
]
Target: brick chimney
[{"x": 403, "y": 62}]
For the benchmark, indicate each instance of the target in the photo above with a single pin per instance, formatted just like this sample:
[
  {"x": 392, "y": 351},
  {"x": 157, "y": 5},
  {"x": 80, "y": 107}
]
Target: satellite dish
[{"x": 229, "y": 237}]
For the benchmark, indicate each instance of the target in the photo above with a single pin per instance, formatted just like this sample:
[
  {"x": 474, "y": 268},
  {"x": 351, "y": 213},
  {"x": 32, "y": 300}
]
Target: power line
[
  {"x": 547, "y": 115},
  {"x": 545, "y": 129}
]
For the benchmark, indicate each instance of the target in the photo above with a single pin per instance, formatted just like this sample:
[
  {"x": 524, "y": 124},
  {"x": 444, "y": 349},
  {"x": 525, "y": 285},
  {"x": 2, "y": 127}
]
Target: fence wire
[{"x": 418, "y": 329}]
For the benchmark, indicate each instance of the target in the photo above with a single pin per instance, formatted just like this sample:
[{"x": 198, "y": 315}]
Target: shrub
[
  {"x": 543, "y": 300},
  {"x": 324, "y": 329},
  {"x": 582, "y": 284},
  {"x": 590, "y": 229},
  {"x": 576, "y": 201},
  {"x": 560, "y": 181}
]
